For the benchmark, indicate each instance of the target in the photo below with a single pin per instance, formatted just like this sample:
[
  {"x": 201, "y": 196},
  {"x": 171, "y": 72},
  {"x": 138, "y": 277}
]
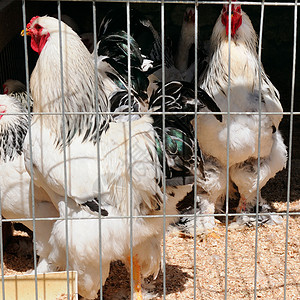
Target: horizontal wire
[
  {"x": 155, "y": 216},
  {"x": 150, "y": 113},
  {"x": 180, "y": 2}
]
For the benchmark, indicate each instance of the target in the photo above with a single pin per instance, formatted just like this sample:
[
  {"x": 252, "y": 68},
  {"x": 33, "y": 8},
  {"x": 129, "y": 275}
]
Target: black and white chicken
[{"x": 15, "y": 183}]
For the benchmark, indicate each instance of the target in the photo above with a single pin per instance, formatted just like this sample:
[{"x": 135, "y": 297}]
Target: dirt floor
[{"x": 210, "y": 278}]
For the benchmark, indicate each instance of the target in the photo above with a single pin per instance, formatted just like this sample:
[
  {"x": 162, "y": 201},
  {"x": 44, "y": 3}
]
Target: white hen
[
  {"x": 244, "y": 128},
  {"x": 15, "y": 183}
]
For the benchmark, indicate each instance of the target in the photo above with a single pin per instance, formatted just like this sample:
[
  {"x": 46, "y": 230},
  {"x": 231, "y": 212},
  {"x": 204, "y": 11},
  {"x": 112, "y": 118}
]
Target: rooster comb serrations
[{"x": 31, "y": 21}]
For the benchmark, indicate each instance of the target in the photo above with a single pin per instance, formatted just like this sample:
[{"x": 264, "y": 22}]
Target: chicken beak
[{"x": 23, "y": 32}]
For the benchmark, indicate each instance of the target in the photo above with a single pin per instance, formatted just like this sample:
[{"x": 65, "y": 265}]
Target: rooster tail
[
  {"x": 182, "y": 152},
  {"x": 115, "y": 49},
  {"x": 181, "y": 98}
]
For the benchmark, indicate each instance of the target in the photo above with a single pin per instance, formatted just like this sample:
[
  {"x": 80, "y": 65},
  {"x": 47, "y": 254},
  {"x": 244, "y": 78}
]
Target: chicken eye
[{"x": 38, "y": 27}]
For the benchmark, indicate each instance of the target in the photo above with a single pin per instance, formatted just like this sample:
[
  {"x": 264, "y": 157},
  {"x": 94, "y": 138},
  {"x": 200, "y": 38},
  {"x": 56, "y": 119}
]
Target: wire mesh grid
[{"x": 223, "y": 289}]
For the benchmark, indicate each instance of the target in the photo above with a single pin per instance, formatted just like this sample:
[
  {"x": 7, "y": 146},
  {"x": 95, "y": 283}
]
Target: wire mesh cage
[{"x": 152, "y": 156}]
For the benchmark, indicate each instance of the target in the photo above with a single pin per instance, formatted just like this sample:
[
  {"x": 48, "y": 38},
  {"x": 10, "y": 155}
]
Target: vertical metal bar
[
  {"x": 64, "y": 145},
  {"x": 30, "y": 150},
  {"x": 290, "y": 146},
  {"x": 130, "y": 147},
  {"x": 162, "y": 14},
  {"x": 1, "y": 249},
  {"x": 195, "y": 150},
  {"x": 227, "y": 151},
  {"x": 98, "y": 142},
  {"x": 259, "y": 145}
]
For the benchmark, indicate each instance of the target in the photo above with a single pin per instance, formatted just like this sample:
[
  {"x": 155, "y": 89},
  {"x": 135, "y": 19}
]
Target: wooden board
[{"x": 51, "y": 286}]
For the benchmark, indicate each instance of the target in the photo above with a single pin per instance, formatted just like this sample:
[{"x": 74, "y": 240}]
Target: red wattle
[{"x": 38, "y": 42}]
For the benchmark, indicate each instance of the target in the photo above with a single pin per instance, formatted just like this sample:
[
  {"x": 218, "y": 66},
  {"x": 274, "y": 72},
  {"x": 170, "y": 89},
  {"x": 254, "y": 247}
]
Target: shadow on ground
[{"x": 117, "y": 286}]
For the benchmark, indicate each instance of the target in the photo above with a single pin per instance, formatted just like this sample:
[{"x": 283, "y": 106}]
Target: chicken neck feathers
[
  {"x": 17, "y": 90},
  {"x": 244, "y": 96},
  {"x": 78, "y": 90},
  {"x": 13, "y": 129},
  {"x": 23, "y": 98},
  {"x": 244, "y": 72}
]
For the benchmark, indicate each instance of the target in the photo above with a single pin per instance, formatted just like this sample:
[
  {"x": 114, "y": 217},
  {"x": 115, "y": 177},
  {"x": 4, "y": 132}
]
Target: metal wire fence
[{"x": 163, "y": 7}]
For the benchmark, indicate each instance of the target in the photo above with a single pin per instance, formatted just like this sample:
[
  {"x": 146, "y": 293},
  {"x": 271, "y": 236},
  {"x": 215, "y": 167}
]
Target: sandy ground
[{"x": 212, "y": 274}]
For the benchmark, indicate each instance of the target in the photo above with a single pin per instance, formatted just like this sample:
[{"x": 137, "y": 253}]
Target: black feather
[
  {"x": 115, "y": 47},
  {"x": 93, "y": 205},
  {"x": 182, "y": 98},
  {"x": 116, "y": 20},
  {"x": 179, "y": 139},
  {"x": 143, "y": 31},
  {"x": 12, "y": 135},
  {"x": 179, "y": 133}
]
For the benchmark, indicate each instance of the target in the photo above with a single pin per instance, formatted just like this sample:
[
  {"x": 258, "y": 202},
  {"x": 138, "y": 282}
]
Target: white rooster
[
  {"x": 15, "y": 183},
  {"x": 116, "y": 193},
  {"x": 243, "y": 128}
]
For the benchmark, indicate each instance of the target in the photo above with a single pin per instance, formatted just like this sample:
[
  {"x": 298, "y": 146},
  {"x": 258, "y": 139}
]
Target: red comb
[{"x": 31, "y": 21}]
